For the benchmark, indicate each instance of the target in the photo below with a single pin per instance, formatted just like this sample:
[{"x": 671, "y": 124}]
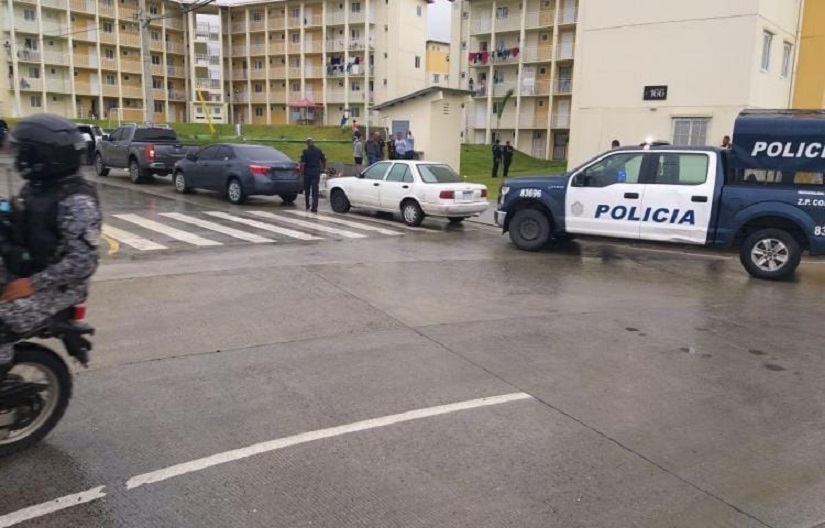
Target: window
[
  {"x": 436, "y": 78},
  {"x": 257, "y": 16},
  {"x": 110, "y": 79},
  {"x": 438, "y": 174},
  {"x": 109, "y": 53},
  {"x": 787, "y": 178},
  {"x": 157, "y": 83},
  {"x": 417, "y": 61},
  {"x": 30, "y": 15},
  {"x": 690, "y": 131},
  {"x": 258, "y": 65},
  {"x": 296, "y": 38},
  {"x": 356, "y": 7},
  {"x": 618, "y": 168},
  {"x": 36, "y": 102},
  {"x": 787, "y": 54},
  {"x": 355, "y": 86},
  {"x": 153, "y": 9},
  {"x": 376, "y": 171},
  {"x": 158, "y": 106},
  {"x": 400, "y": 172},
  {"x": 681, "y": 169},
  {"x": 355, "y": 34},
  {"x": 34, "y": 72},
  {"x": 156, "y": 36},
  {"x": 767, "y": 40},
  {"x": 502, "y": 12},
  {"x": 156, "y": 59},
  {"x": 355, "y": 112},
  {"x": 259, "y": 111},
  {"x": 30, "y": 44},
  {"x": 295, "y": 12},
  {"x": 259, "y": 88},
  {"x": 108, "y": 27}
]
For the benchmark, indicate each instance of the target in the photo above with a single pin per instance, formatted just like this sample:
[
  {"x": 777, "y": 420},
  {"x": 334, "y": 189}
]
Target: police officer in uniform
[
  {"x": 313, "y": 162},
  {"x": 51, "y": 245}
]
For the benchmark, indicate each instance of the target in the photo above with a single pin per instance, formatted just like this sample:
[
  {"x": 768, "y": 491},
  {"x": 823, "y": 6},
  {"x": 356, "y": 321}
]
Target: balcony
[
  {"x": 89, "y": 34},
  {"x": 533, "y": 121},
  {"x": 277, "y": 97},
  {"x": 336, "y": 96},
  {"x": 257, "y": 25},
  {"x": 258, "y": 97},
  {"x": 158, "y": 70},
  {"x": 173, "y": 23},
  {"x": 177, "y": 95},
  {"x": 537, "y": 54},
  {"x": 207, "y": 60},
  {"x": 240, "y": 74},
  {"x": 277, "y": 72},
  {"x": 107, "y": 10},
  {"x": 276, "y": 48},
  {"x": 110, "y": 90},
  {"x": 28, "y": 84},
  {"x": 510, "y": 23},
  {"x": 155, "y": 45},
  {"x": 239, "y": 50},
  {"x": 564, "y": 87},
  {"x": 314, "y": 20},
  {"x": 568, "y": 16},
  {"x": 127, "y": 13},
  {"x": 85, "y": 61},
  {"x": 257, "y": 50},
  {"x": 276, "y": 23},
  {"x": 539, "y": 19},
  {"x": 84, "y": 88},
  {"x": 296, "y": 95},
  {"x": 313, "y": 72},
  {"x": 175, "y": 71},
  {"x": 106, "y": 38},
  {"x": 131, "y": 66},
  {"x": 238, "y": 27},
  {"x": 208, "y": 84},
  {"x": 293, "y": 48},
  {"x": 566, "y": 52},
  {"x": 240, "y": 98},
  {"x": 131, "y": 40},
  {"x": 258, "y": 74},
  {"x": 28, "y": 55},
  {"x": 175, "y": 47},
  {"x": 500, "y": 89},
  {"x": 560, "y": 121},
  {"x": 313, "y": 46},
  {"x": 294, "y": 72},
  {"x": 109, "y": 64},
  {"x": 508, "y": 120},
  {"x": 83, "y": 6},
  {"x": 336, "y": 17},
  {"x": 294, "y": 23},
  {"x": 335, "y": 45},
  {"x": 158, "y": 94},
  {"x": 357, "y": 18},
  {"x": 481, "y": 25},
  {"x": 54, "y": 4},
  {"x": 132, "y": 92},
  {"x": 56, "y": 57},
  {"x": 534, "y": 87}
]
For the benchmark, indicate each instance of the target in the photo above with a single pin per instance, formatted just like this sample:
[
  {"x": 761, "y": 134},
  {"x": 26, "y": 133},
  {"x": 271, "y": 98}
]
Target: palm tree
[{"x": 500, "y": 112}]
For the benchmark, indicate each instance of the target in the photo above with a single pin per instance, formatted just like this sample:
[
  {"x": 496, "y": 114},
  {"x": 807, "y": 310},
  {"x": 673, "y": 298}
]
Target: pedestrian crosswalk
[{"x": 156, "y": 231}]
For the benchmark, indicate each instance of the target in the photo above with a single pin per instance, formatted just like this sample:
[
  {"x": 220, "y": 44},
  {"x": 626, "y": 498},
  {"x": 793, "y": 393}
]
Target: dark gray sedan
[{"x": 239, "y": 171}]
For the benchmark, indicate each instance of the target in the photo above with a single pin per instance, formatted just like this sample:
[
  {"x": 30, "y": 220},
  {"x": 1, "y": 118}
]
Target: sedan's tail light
[
  {"x": 150, "y": 152},
  {"x": 447, "y": 195},
  {"x": 79, "y": 312},
  {"x": 484, "y": 193},
  {"x": 259, "y": 169}
]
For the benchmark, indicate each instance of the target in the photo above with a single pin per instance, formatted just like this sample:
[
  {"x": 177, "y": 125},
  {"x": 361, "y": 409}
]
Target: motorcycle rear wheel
[{"x": 32, "y": 359}]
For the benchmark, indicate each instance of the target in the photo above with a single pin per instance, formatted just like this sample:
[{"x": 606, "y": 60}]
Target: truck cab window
[{"x": 618, "y": 168}]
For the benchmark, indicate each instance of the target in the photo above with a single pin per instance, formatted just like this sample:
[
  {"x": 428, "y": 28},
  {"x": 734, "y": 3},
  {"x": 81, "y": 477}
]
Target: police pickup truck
[{"x": 765, "y": 196}]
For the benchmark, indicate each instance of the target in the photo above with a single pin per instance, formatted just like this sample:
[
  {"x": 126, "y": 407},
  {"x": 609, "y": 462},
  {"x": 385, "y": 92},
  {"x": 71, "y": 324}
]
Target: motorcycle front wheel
[{"x": 33, "y": 398}]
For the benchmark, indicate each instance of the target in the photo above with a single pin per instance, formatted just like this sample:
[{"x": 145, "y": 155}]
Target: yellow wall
[
  {"x": 438, "y": 58},
  {"x": 809, "y": 91}
]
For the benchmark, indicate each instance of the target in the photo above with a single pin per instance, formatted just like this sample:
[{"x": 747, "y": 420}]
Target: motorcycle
[{"x": 36, "y": 392}]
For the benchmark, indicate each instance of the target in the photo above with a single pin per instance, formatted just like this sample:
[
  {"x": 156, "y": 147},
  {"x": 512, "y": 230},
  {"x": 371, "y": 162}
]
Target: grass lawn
[{"x": 477, "y": 165}]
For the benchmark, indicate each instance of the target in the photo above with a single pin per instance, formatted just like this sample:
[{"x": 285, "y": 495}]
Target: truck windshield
[
  {"x": 155, "y": 134},
  {"x": 438, "y": 174}
]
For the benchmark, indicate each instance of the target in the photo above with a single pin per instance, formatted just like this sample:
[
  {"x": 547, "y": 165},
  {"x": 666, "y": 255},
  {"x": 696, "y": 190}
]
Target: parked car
[
  {"x": 240, "y": 171},
  {"x": 415, "y": 188},
  {"x": 95, "y": 137},
  {"x": 144, "y": 150}
]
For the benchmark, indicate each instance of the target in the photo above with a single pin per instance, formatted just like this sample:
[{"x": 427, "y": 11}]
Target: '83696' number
[{"x": 819, "y": 231}]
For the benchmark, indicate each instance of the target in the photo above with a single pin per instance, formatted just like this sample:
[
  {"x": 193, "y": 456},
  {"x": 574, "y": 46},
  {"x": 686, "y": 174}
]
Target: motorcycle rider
[{"x": 50, "y": 249}]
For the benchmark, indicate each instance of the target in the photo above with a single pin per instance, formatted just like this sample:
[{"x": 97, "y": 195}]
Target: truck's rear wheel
[
  {"x": 771, "y": 254},
  {"x": 530, "y": 230},
  {"x": 136, "y": 174},
  {"x": 100, "y": 168}
]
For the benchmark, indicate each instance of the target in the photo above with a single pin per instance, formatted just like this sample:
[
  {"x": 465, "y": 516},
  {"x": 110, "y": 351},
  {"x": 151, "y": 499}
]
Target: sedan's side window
[
  {"x": 399, "y": 173},
  {"x": 209, "y": 153},
  {"x": 225, "y": 153},
  {"x": 376, "y": 172},
  {"x": 615, "y": 169}
]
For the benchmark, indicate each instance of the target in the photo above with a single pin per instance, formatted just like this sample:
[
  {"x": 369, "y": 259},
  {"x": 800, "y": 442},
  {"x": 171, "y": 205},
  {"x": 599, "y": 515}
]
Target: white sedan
[{"x": 415, "y": 188}]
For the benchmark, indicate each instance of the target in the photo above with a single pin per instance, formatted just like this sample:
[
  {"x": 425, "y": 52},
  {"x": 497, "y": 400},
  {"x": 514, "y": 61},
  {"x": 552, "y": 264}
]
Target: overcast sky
[{"x": 439, "y": 20}]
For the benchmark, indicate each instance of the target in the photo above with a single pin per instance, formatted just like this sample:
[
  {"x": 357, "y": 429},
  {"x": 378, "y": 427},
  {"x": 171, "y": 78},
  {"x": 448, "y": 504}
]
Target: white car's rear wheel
[
  {"x": 338, "y": 201},
  {"x": 412, "y": 213}
]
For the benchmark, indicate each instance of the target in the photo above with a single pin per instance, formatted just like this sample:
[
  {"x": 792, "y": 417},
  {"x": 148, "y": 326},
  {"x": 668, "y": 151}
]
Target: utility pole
[{"x": 148, "y": 95}]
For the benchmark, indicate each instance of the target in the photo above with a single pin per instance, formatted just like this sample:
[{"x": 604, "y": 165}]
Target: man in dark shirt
[
  {"x": 507, "y": 156},
  {"x": 497, "y": 153},
  {"x": 312, "y": 162}
]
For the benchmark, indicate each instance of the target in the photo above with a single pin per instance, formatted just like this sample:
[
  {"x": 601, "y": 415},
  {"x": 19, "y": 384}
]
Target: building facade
[
  {"x": 438, "y": 63},
  {"x": 262, "y": 62},
  {"x": 678, "y": 71},
  {"x": 527, "y": 46},
  {"x": 809, "y": 83}
]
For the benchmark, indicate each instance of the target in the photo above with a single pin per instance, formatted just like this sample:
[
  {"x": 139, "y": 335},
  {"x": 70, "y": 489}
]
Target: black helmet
[{"x": 46, "y": 147}]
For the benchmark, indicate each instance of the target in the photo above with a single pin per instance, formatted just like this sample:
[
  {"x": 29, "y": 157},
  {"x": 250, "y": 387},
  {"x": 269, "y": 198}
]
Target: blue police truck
[{"x": 765, "y": 196}]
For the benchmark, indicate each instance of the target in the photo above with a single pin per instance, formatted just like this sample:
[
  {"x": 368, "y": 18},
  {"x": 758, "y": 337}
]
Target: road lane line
[
  {"x": 347, "y": 223},
  {"x": 213, "y": 226},
  {"x": 307, "y": 225},
  {"x": 311, "y": 436},
  {"x": 264, "y": 226},
  {"x": 392, "y": 223},
  {"x": 39, "y": 510},
  {"x": 171, "y": 232},
  {"x": 131, "y": 239}
]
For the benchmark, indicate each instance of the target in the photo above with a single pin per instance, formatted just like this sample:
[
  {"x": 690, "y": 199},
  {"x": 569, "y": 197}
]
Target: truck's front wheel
[
  {"x": 530, "y": 229},
  {"x": 771, "y": 254}
]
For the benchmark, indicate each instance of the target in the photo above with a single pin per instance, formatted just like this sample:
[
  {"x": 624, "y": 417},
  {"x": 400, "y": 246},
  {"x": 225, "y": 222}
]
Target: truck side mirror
[{"x": 578, "y": 180}]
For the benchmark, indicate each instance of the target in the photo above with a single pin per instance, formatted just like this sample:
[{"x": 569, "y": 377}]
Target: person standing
[
  {"x": 496, "y": 157},
  {"x": 615, "y": 144},
  {"x": 410, "y": 145},
  {"x": 358, "y": 153},
  {"x": 401, "y": 146},
  {"x": 726, "y": 144},
  {"x": 507, "y": 157},
  {"x": 312, "y": 163},
  {"x": 374, "y": 153}
]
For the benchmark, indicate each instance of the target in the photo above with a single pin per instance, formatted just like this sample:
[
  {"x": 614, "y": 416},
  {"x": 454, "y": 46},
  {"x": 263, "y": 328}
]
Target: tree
[{"x": 500, "y": 112}]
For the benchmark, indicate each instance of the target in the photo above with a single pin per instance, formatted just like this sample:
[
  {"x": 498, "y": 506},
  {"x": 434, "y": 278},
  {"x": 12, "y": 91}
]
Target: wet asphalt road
[{"x": 656, "y": 387}]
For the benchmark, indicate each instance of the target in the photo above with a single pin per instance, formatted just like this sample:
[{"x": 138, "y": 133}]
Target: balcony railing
[
  {"x": 155, "y": 45},
  {"x": 108, "y": 64},
  {"x": 510, "y": 23},
  {"x": 238, "y": 27},
  {"x": 277, "y": 72},
  {"x": 277, "y": 48},
  {"x": 336, "y": 17},
  {"x": 314, "y": 20},
  {"x": 538, "y": 54},
  {"x": 132, "y": 92},
  {"x": 173, "y": 23},
  {"x": 568, "y": 15},
  {"x": 533, "y": 121},
  {"x": 175, "y": 71},
  {"x": 82, "y": 6},
  {"x": 177, "y": 95},
  {"x": 158, "y": 69},
  {"x": 277, "y": 97},
  {"x": 257, "y": 25},
  {"x": 335, "y": 45},
  {"x": 336, "y": 96},
  {"x": 258, "y": 97},
  {"x": 276, "y": 22},
  {"x": 499, "y": 89},
  {"x": 257, "y": 49},
  {"x": 239, "y": 50},
  {"x": 107, "y": 10},
  {"x": 56, "y": 4},
  {"x": 85, "y": 61},
  {"x": 127, "y": 13},
  {"x": 110, "y": 90},
  {"x": 258, "y": 74},
  {"x": 481, "y": 25},
  {"x": 56, "y": 57},
  {"x": 560, "y": 121},
  {"x": 208, "y": 84},
  {"x": 294, "y": 22},
  {"x": 89, "y": 34},
  {"x": 293, "y": 48},
  {"x": 542, "y": 19},
  {"x": 313, "y": 46},
  {"x": 27, "y": 55},
  {"x": 564, "y": 87},
  {"x": 357, "y": 18},
  {"x": 313, "y": 71},
  {"x": 566, "y": 52},
  {"x": 158, "y": 94},
  {"x": 130, "y": 39},
  {"x": 84, "y": 88},
  {"x": 175, "y": 47},
  {"x": 240, "y": 74},
  {"x": 294, "y": 72},
  {"x": 29, "y": 84},
  {"x": 106, "y": 38},
  {"x": 131, "y": 66}
]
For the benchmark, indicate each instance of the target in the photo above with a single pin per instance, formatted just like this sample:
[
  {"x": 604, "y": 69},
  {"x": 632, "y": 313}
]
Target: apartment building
[
  {"x": 263, "y": 62},
  {"x": 438, "y": 63},
  {"x": 526, "y": 46},
  {"x": 809, "y": 82},
  {"x": 679, "y": 71}
]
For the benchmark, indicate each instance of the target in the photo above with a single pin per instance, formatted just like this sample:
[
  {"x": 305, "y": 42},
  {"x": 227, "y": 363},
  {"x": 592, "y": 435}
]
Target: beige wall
[
  {"x": 708, "y": 53},
  {"x": 437, "y": 135}
]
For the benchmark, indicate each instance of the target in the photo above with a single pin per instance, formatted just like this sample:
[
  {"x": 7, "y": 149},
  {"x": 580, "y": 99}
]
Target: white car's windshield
[{"x": 438, "y": 174}]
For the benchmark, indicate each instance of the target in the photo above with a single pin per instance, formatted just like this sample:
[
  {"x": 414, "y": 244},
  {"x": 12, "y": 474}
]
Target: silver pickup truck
[{"x": 143, "y": 150}]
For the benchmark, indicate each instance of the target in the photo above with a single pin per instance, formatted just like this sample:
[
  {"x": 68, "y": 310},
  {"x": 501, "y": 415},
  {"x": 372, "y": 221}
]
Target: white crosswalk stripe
[
  {"x": 307, "y": 225},
  {"x": 373, "y": 220},
  {"x": 171, "y": 232},
  {"x": 357, "y": 225},
  {"x": 131, "y": 239},
  {"x": 263, "y": 226},
  {"x": 213, "y": 226}
]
